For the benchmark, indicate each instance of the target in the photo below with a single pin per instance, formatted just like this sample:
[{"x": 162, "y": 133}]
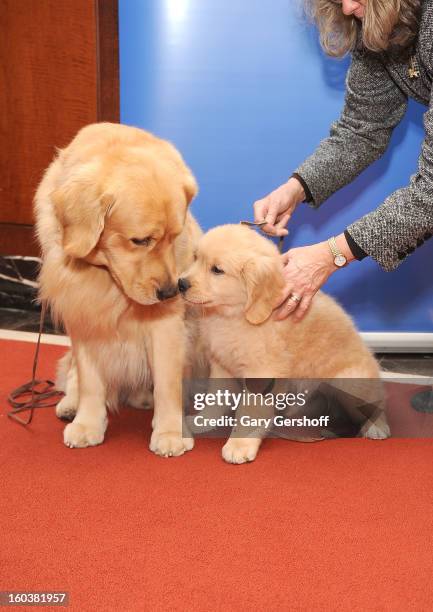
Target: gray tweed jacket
[{"x": 377, "y": 90}]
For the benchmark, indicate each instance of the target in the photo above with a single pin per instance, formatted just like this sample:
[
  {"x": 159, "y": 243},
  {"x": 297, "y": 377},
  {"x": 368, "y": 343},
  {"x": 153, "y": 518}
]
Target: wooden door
[{"x": 58, "y": 72}]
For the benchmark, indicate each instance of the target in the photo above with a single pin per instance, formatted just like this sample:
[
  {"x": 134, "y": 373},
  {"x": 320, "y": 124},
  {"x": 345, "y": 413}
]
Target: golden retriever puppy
[
  {"x": 115, "y": 232},
  {"x": 237, "y": 280}
]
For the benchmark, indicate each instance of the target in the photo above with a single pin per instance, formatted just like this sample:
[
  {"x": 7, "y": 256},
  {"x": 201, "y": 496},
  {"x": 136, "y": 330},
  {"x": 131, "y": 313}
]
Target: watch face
[{"x": 340, "y": 261}]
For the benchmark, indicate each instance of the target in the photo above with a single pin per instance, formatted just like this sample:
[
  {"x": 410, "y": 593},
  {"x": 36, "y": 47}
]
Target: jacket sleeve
[
  {"x": 405, "y": 219},
  {"x": 373, "y": 106}
]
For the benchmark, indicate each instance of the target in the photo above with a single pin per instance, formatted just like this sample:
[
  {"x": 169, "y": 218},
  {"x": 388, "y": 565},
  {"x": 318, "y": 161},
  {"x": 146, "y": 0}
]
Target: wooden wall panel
[
  {"x": 108, "y": 60},
  {"x": 53, "y": 55}
]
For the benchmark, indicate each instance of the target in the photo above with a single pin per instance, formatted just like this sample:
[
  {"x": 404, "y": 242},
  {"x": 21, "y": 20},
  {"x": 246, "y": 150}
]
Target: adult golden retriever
[
  {"x": 115, "y": 232},
  {"x": 237, "y": 280}
]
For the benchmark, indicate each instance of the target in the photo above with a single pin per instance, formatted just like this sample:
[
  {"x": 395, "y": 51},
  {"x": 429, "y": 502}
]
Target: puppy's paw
[
  {"x": 379, "y": 430},
  {"x": 240, "y": 450},
  {"x": 76, "y": 435},
  {"x": 66, "y": 409},
  {"x": 170, "y": 444}
]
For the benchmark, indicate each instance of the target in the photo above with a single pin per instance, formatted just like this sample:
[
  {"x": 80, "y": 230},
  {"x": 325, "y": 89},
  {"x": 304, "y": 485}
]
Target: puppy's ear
[
  {"x": 81, "y": 210},
  {"x": 264, "y": 282},
  {"x": 190, "y": 186}
]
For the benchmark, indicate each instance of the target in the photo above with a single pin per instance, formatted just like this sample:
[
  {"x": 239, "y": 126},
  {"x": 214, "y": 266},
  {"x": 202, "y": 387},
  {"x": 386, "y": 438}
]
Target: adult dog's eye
[
  {"x": 141, "y": 241},
  {"x": 216, "y": 270}
]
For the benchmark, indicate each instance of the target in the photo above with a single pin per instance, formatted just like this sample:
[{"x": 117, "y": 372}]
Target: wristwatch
[{"x": 339, "y": 259}]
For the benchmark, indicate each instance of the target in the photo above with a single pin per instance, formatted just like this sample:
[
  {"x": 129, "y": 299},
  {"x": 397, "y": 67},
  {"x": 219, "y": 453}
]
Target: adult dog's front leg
[
  {"x": 89, "y": 425},
  {"x": 67, "y": 381},
  {"x": 167, "y": 356}
]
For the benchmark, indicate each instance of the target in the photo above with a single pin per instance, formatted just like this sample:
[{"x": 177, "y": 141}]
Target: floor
[
  {"x": 418, "y": 364},
  {"x": 25, "y": 320},
  {"x": 335, "y": 525}
]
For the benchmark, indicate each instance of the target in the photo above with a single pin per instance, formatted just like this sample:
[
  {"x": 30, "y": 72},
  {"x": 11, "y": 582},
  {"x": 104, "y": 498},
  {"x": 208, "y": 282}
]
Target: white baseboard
[
  {"x": 399, "y": 342},
  {"x": 380, "y": 342},
  {"x": 22, "y": 336}
]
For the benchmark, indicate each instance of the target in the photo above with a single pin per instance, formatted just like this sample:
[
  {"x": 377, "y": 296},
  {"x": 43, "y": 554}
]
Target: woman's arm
[
  {"x": 374, "y": 105},
  {"x": 388, "y": 234},
  {"x": 405, "y": 220}
]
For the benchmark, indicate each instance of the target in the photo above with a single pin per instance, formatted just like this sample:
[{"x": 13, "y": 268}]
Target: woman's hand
[
  {"x": 277, "y": 207},
  {"x": 306, "y": 269}
]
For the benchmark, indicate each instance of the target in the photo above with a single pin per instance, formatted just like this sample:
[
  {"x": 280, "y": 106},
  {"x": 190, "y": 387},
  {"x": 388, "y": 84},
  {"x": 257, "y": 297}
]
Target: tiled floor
[
  {"x": 28, "y": 320},
  {"x": 407, "y": 363},
  {"x": 25, "y": 320}
]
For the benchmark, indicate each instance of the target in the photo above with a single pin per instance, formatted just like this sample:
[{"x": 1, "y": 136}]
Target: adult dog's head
[
  {"x": 235, "y": 267},
  {"x": 121, "y": 203}
]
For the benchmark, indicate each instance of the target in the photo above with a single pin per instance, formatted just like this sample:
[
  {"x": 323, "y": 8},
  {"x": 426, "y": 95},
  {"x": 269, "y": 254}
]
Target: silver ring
[{"x": 295, "y": 298}]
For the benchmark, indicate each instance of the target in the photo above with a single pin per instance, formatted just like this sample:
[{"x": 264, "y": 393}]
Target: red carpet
[{"x": 336, "y": 525}]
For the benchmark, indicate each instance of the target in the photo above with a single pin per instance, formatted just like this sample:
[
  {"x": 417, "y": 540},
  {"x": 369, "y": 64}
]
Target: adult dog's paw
[
  {"x": 240, "y": 450},
  {"x": 76, "y": 435},
  {"x": 66, "y": 409},
  {"x": 170, "y": 444}
]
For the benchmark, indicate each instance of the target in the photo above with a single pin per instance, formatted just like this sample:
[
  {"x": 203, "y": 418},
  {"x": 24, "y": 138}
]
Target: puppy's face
[
  {"x": 235, "y": 267},
  {"x": 127, "y": 220}
]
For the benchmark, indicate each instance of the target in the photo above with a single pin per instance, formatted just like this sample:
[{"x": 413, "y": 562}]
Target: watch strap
[
  {"x": 340, "y": 260},
  {"x": 333, "y": 246}
]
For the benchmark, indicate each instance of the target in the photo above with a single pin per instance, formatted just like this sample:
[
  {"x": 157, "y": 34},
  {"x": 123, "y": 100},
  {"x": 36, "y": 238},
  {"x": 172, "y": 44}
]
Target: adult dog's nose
[
  {"x": 183, "y": 284},
  {"x": 166, "y": 292}
]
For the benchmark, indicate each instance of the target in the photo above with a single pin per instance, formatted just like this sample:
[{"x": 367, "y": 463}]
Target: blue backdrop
[{"x": 242, "y": 88}]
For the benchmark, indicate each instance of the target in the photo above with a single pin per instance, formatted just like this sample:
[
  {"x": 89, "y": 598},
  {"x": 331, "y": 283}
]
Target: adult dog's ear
[
  {"x": 81, "y": 210},
  {"x": 190, "y": 186},
  {"x": 176, "y": 161},
  {"x": 264, "y": 282}
]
